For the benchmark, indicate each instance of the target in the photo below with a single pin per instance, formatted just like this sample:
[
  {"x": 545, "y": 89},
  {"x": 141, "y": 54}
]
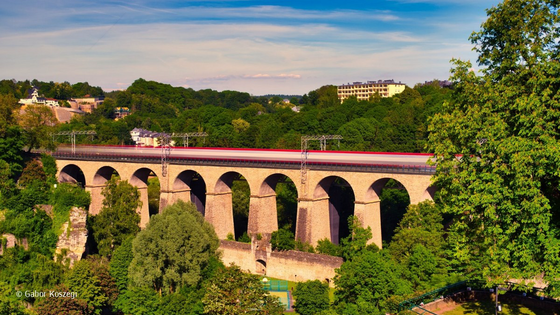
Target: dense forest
[
  {"x": 236, "y": 119},
  {"x": 495, "y": 218}
]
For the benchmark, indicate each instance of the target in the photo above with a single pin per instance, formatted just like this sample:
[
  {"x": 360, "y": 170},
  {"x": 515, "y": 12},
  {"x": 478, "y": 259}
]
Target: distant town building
[
  {"x": 33, "y": 98},
  {"x": 363, "y": 91},
  {"x": 121, "y": 112},
  {"x": 147, "y": 138},
  {"x": 62, "y": 114},
  {"x": 86, "y": 103}
]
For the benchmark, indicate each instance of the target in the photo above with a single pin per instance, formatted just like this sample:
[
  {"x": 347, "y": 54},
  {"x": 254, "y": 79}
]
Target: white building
[
  {"x": 147, "y": 138},
  {"x": 34, "y": 99},
  {"x": 363, "y": 91}
]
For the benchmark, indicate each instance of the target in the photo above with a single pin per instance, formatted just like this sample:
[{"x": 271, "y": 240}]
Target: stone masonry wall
[
  {"x": 72, "y": 241},
  {"x": 288, "y": 265}
]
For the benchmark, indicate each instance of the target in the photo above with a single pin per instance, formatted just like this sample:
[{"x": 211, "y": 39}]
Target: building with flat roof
[
  {"x": 86, "y": 103},
  {"x": 363, "y": 90}
]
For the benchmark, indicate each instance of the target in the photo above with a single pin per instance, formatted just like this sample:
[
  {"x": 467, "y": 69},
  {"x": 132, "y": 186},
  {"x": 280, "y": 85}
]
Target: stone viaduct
[{"x": 209, "y": 186}]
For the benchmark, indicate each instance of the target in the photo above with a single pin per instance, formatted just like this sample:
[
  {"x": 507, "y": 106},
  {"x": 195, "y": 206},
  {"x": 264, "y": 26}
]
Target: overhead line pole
[
  {"x": 188, "y": 135},
  {"x": 165, "y": 152},
  {"x": 72, "y": 135},
  {"x": 304, "y": 152}
]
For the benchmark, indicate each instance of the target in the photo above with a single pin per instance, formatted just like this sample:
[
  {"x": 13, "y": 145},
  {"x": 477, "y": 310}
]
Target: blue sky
[{"x": 260, "y": 47}]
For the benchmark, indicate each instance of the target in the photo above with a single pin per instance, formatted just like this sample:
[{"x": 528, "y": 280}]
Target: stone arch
[
  {"x": 264, "y": 212},
  {"x": 268, "y": 186},
  {"x": 429, "y": 193},
  {"x": 190, "y": 186},
  {"x": 223, "y": 188},
  {"x": 388, "y": 218},
  {"x": 341, "y": 198},
  {"x": 72, "y": 173},
  {"x": 139, "y": 179},
  {"x": 260, "y": 267},
  {"x": 225, "y": 181},
  {"x": 103, "y": 174}
]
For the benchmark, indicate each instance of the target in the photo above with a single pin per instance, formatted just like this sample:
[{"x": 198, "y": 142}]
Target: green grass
[{"x": 488, "y": 308}]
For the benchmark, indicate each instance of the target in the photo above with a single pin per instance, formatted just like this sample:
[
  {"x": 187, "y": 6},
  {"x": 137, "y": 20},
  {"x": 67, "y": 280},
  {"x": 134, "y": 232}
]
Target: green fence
[
  {"x": 276, "y": 285},
  {"x": 279, "y": 288}
]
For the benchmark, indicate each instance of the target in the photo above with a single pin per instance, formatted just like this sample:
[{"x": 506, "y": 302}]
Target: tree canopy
[
  {"x": 118, "y": 218},
  {"x": 311, "y": 297},
  {"x": 497, "y": 147},
  {"x": 173, "y": 249},
  {"x": 234, "y": 292},
  {"x": 38, "y": 123}
]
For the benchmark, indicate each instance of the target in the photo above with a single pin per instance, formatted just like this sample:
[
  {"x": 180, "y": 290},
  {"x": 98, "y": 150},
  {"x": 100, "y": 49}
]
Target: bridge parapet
[{"x": 339, "y": 166}]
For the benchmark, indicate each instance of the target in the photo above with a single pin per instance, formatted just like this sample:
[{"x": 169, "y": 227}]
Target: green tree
[
  {"x": 360, "y": 134},
  {"x": 286, "y": 204},
  {"x": 49, "y": 166},
  {"x": 87, "y": 285},
  {"x": 100, "y": 269},
  {"x": 328, "y": 96},
  {"x": 423, "y": 270},
  {"x": 240, "y": 125},
  {"x": 6, "y": 183},
  {"x": 325, "y": 246},
  {"x": 365, "y": 283},
  {"x": 44, "y": 272},
  {"x": 9, "y": 304},
  {"x": 356, "y": 243},
  {"x": 33, "y": 171},
  {"x": 421, "y": 224},
  {"x": 64, "y": 197},
  {"x": 503, "y": 190},
  {"x": 153, "y": 195},
  {"x": 118, "y": 218},
  {"x": 173, "y": 249},
  {"x": 119, "y": 264},
  {"x": 420, "y": 247},
  {"x": 63, "y": 305},
  {"x": 311, "y": 297},
  {"x": 11, "y": 145},
  {"x": 234, "y": 292},
  {"x": 240, "y": 204},
  {"x": 139, "y": 301},
  {"x": 8, "y": 106},
  {"x": 38, "y": 123},
  {"x": 282, "y": 239},
  {"x": 394, "y": 201},
  {"x": 11, "y": 141}
]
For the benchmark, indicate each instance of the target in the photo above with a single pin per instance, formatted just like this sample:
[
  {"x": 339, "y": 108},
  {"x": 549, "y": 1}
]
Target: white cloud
[
  {"x": 276, "y": 59},
  {"x": 248, "y": 49}
]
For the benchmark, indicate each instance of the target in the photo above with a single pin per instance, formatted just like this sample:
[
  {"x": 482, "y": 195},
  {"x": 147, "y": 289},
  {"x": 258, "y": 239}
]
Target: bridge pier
[
  {"x": 169, "y": 197},
  {"x": 96, "y": 198},
  {"x": 262, "y": 214},
  {"x": 369, "y": 214},
  {"x": 219, "y": 212},
  {"x": 313, "y": 222},
  {"x": 144, "y": 209}
]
